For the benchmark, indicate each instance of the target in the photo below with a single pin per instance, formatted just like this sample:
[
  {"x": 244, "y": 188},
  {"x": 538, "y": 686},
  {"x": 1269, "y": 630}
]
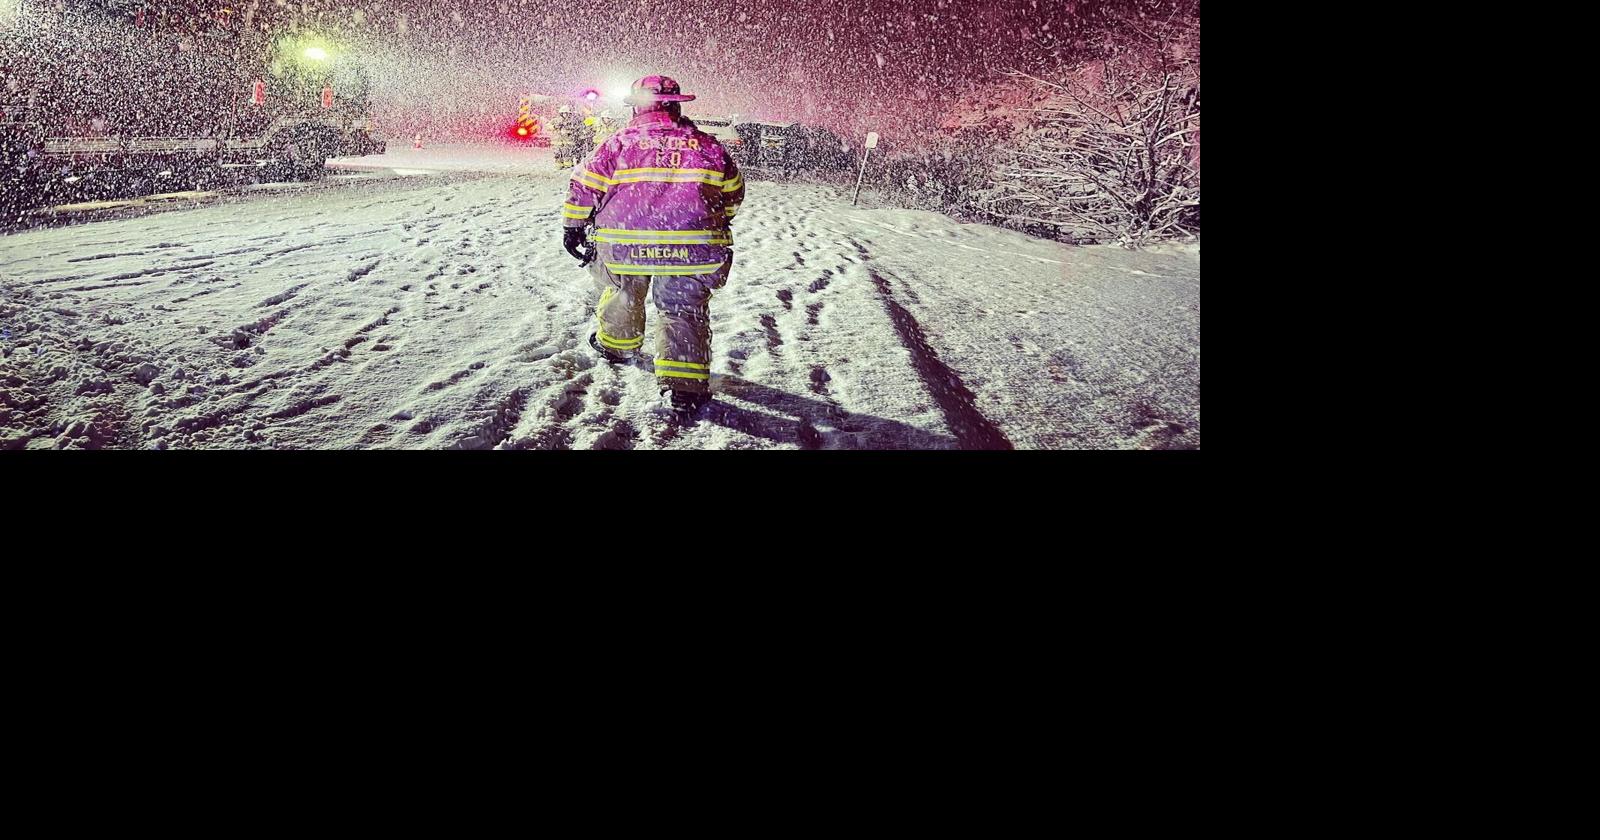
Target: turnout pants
[{"x": 682, "y": 324}]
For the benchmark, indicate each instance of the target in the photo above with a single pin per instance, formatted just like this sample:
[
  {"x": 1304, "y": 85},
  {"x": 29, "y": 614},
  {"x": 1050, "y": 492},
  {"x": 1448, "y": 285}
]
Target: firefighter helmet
[{"x": 656, "y": 89}]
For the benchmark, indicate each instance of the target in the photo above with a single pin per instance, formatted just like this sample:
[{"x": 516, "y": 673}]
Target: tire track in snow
[
  {"x": 946, "y": 240},
  {"x": 130, "y": 275},
  {"x": 955, "y": 400}
]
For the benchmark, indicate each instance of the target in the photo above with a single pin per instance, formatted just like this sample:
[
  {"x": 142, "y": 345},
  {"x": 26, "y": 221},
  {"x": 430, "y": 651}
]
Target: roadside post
[{"x": 872, "y": 143}]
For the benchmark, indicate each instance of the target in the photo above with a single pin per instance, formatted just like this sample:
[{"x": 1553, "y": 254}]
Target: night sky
[
  {"x": 895, "y": 66},
  {"x": 847, "y": 64}
]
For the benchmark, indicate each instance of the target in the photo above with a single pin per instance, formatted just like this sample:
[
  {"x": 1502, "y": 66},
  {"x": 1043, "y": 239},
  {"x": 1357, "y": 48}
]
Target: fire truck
[
  {"x": 532, "y": 120},
  {"x": 125, "y": 97}
]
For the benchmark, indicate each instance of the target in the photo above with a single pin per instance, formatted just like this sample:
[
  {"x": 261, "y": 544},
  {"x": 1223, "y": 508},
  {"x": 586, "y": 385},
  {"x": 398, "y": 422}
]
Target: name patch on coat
[
  {"x": 659, "y": 253},
  {"x": 648, "y": 142}
]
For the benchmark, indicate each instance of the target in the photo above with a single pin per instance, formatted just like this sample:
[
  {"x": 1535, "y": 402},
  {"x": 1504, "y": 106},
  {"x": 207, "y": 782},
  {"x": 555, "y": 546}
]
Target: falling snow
[{"x": 1015, "y": 262}]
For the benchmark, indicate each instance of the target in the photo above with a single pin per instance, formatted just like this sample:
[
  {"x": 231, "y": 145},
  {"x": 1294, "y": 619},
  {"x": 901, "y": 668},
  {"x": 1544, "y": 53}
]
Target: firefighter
[
  {"x": 604, "y": 127},
  {"x": 574, "y": 137},
  {"x": 583, "y": 134},
  {"x": 561, "y": 139},
  {"x": 660, "y": 194}
]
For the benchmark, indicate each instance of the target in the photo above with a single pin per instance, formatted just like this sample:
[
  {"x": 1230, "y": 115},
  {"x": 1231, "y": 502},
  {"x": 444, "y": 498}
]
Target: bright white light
[
  {"x": 619, "y": 92},
  {"x": 316, "y": 54}
]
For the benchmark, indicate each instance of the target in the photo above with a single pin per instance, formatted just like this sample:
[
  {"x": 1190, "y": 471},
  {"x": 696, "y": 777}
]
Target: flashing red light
[
  {"x": 591, "y": 95},
  {"x": 523, "y": 130}
]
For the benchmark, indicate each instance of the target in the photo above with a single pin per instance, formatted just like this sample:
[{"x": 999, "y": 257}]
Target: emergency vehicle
[
  {"x": 723, "y": 129},
  {"x": 768, "y": 143},
  {"x": 121, "y": 97}
]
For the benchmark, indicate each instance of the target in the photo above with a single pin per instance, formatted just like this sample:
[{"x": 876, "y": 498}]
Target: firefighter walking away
[{"x": 659, "y": 194}]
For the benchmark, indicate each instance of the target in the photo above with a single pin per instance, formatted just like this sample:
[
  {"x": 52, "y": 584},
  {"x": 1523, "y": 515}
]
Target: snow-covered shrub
[
  {"x": 945, "y": 177},
  {"x": 1114, "y": 146},
  {"x": 823, "y": 151},
  {"x": 1107, "y": 148}
]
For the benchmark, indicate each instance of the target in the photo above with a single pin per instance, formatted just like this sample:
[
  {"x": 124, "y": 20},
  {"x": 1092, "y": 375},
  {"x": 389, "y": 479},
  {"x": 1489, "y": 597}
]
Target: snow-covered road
[{"x": 437, "y": 311}]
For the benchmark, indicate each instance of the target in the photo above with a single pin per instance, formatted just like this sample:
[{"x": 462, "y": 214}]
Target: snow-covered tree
[{"x": 1114, "y": 146}]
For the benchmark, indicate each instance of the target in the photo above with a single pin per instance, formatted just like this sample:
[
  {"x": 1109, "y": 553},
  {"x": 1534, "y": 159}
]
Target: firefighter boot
[
  {"x": 610, "y": 356},
  {"x": 685, "y": 404}
]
